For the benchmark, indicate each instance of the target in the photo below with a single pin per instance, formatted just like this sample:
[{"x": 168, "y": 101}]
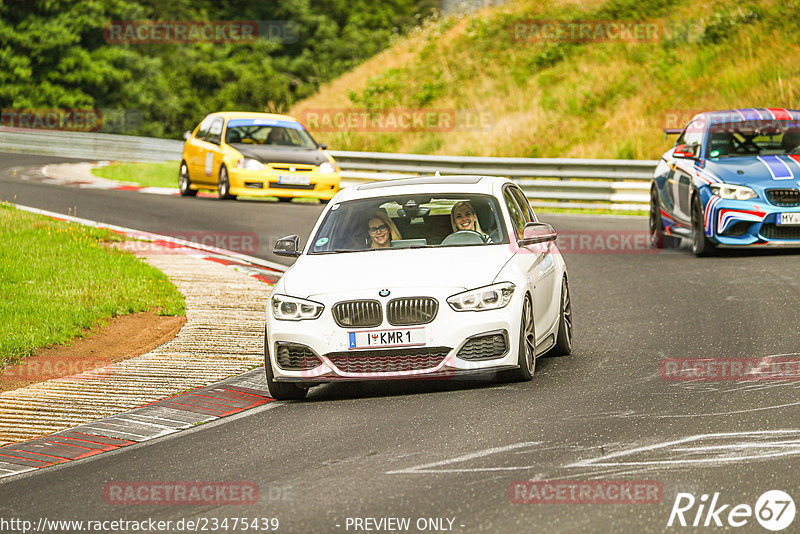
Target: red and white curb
[
  {"x": 160, "y": 418},
  {"x": 80, "y": 175}
]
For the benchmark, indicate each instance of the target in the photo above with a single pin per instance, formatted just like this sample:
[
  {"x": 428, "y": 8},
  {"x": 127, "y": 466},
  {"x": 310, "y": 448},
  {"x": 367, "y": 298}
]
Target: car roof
[
  {"x": 747, "y": 114},
  {"x": 252, "y": 115},
  {"x": 486, "y": 185}
]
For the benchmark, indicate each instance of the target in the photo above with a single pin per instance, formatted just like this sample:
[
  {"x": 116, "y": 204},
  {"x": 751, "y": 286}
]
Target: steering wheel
[{"x": 465, "y": 237}]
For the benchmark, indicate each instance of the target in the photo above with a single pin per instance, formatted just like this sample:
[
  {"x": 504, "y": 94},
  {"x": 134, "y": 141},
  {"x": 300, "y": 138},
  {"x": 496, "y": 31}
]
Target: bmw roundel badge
[{"x": 384, "y": 292}]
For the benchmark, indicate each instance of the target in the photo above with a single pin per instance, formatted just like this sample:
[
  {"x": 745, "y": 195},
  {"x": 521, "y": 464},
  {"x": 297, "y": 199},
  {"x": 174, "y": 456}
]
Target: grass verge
[
  {"x": 59, "y": 280},
  {"x": 511, "y": 95},
  {"x": 144, "y": 174}
]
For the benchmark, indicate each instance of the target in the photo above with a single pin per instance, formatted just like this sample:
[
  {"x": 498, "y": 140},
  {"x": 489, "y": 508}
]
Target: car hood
[
  {"x": 752, "y": 171},
  {"x": 272, "y": 154},
  {"x": 454, "y": 267}
]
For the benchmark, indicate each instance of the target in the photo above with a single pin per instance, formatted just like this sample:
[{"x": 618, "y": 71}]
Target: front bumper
[
  {"x": 737, "y": 223},
  {"x": 266, "y": 183},
  {"x": 444, "y": 355}
]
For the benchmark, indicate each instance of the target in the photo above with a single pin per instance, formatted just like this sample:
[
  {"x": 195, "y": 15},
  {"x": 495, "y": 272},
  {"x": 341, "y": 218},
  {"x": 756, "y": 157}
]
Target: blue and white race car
[{"x": 731, "y": 180}]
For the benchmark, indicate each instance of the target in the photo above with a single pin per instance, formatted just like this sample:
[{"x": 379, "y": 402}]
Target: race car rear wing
[{"x": 672, "y": 131}]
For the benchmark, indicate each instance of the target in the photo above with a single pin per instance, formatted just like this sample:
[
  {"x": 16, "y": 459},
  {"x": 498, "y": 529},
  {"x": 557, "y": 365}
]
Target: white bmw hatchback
[{"x": 420, "y": 277}]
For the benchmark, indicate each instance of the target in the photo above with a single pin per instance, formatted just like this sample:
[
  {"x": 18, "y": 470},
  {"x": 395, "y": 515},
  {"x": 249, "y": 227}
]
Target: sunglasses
[{"x": 373, "y": 230}]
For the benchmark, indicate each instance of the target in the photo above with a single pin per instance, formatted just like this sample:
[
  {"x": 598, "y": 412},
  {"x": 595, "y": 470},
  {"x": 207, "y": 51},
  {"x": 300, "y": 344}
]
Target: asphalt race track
[
  {"x": 193, "y": 218},
  {"x": 453, "y": 449}
]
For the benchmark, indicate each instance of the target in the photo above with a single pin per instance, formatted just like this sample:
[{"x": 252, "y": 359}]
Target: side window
[
  {"x": 202, "y": 132},
  {"x": 517, "y": 218},
  {"x": 215, "y": 132},
  {"x": 693, "y": 134},
  {"x": 525, "y": 204}
]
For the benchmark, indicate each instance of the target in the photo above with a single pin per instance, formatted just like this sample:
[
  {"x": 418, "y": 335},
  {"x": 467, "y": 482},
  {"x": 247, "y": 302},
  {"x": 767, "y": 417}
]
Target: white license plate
[
  {"x": 386, "y": 338},
  {"x": 294, "y": 180},
  {"x": 789, "y": 219}
]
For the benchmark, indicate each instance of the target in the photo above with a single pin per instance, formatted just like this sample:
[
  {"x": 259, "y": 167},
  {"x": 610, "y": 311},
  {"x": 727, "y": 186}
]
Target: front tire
[
  {"x": 224, "y": 185},
  {"x": 701, "y": 245},
  {"x": 658, "y": 239},
  {"x": 526, "y": 355},
  {"x": 185, "y": 183},
  {"x": 563, "y": 345},
  {"x": 280, "y": 390}
]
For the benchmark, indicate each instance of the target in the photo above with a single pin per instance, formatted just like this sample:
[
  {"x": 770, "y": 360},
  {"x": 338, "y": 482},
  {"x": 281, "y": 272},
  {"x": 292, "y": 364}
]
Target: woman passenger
[{"x": 381, "y": 230}]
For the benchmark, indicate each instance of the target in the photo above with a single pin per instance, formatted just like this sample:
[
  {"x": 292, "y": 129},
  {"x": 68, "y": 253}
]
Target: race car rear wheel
[
  {"x": 184, "y": 183},
  {"x": 526, "y": 355},
  {"x": 701, "y": 245},
  {"x": 280, "y": 390},
  {"x": 658, "y": 239}
]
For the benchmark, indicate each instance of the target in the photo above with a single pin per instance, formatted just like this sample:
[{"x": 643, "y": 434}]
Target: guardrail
[
  {"x": 89, "y": 146},
  {"x": 549, "y": 182}
]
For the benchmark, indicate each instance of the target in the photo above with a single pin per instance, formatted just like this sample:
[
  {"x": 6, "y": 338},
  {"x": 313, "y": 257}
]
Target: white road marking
[
  {"x": 428, "y": 468},
  {"x": 732, "y": 451}
]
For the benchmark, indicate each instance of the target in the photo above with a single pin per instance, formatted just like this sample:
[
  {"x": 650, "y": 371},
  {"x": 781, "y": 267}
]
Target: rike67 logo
[{"x": 774, "y": 510}]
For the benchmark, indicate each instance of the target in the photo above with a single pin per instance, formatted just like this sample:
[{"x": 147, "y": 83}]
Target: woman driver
[
  {"x": 381, "y": 230},
  {"x": 462, "y": 217}
]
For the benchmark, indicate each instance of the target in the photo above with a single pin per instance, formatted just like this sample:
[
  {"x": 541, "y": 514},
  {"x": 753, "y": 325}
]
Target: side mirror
[
  {"x": 287, "y": 246},
  {"x": 537, "y": 232},
  {"x": 323, "y": 146},
  {"x": 684, "y": 152},
  {"x": 187, "y": 135}
]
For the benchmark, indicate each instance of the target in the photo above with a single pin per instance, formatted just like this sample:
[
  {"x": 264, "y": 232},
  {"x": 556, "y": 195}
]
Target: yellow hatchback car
[{"x": 256, "y": 154}]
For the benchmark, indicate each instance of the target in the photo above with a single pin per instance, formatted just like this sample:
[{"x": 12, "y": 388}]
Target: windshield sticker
[{"x": 321, "y": 242}]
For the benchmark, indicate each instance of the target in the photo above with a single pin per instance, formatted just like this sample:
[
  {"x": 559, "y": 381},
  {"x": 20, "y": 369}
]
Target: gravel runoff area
[{"x": 222, "y": 337}]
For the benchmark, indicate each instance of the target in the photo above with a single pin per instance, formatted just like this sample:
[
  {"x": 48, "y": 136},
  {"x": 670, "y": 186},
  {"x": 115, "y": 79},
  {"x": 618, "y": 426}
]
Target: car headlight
[
  {"x": 483, "y": 298},
  {"x": 733, "y": 192},
  {"x": 286, "y": 308},
  {"x": 250, "y": 164},
  {"x": 327, "y": 168}
]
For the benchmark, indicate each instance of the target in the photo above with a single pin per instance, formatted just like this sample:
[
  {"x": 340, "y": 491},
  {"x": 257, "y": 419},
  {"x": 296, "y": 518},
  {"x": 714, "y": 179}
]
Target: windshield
[
  {"x": 754, "y": 138},
  {"x": 268, "y": 132},
  {"x": 410, "y": 221}
]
